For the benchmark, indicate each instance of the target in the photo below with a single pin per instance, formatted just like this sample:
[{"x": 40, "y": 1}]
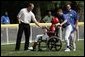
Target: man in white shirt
[{"x": 25, "y": 16}]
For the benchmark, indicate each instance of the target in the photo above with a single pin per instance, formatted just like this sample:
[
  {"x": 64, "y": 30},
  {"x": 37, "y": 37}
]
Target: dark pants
[
  {"x": 57, "y": 31},
  {"x": 26, "y": 28}
]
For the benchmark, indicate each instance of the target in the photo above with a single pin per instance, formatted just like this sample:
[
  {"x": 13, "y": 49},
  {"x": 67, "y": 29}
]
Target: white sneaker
[
  {"x": 74, "y": 49},
  {"x": 30, "y": 48},
  {"x": 67, "y": 49}
]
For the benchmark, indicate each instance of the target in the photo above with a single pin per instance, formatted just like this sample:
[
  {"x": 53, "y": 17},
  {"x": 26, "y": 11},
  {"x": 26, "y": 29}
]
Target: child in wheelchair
[{"x": 47, "y": 32}]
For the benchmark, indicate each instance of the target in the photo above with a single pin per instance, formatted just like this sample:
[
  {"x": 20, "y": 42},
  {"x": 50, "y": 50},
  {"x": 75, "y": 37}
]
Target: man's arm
[
  {"x": 37, "y": 24},
  {"x": 18, "y": 19},
  {"x": 19, "y": 15},
  {"x": 35, "y": 21},
  {"x": 76, "y": 24},
  {"x": 63, "y": 22}
]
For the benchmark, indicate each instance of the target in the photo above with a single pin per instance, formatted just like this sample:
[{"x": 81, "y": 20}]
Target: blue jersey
[
  {"x": 5, "y": 20},
  {"x": 71, "y": 16}
]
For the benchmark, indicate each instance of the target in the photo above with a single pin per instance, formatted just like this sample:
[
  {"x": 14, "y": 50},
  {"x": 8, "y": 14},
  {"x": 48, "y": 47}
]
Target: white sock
[{"x": 67, "y": 42}]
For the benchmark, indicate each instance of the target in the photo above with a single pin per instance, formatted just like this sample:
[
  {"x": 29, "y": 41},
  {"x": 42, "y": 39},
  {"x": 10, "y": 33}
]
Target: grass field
[{"x": 8, "y": 50}]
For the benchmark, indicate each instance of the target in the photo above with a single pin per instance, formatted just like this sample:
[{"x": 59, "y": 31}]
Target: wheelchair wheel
[
  {"x": 41, "y": 44},
  {"x": 54, "y": 43}
]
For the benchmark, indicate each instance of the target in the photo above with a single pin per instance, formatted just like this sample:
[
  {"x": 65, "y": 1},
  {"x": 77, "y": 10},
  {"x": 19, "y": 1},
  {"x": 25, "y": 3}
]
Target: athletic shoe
[
  {"x": 30, "y": 48},
  {"x": 74, "y": 49},
  {"x": 67, "y": 49}
]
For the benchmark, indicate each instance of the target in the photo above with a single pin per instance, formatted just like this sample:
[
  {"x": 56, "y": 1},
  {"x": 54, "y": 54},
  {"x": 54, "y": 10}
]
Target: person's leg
[
  {"x": 67, "y": 34},
  {"x": 36, "y": 40},
  {"x": 57, "y": 31},
  {"x": 27, "y": 35},
  {"x": 19, "y": 36},
  {"x": 70, "y": 42},
  {"x": 73, "y": 40}
]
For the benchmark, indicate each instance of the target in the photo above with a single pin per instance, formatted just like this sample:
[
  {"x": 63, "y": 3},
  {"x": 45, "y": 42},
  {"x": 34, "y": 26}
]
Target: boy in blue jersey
[
  {"x": 70, "y": 17},
  {"x": 5, "y": 19},
  {"x": 73, "y": 19}
]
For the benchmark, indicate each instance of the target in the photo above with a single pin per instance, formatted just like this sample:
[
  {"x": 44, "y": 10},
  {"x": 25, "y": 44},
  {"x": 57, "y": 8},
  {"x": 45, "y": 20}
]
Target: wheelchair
[{"x": 53, "y": 42}]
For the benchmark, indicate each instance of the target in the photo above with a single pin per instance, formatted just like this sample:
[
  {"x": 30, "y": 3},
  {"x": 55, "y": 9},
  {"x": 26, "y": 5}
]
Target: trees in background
[{"x": 13, "y": 7}]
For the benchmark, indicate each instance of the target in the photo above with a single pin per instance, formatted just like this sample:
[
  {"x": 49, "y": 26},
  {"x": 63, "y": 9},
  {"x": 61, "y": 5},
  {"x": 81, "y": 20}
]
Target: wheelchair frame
[{"x": 54, "y": 43}]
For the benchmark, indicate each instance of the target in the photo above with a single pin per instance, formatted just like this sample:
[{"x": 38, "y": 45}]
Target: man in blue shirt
[
  {"x": 5, "y": 19},
  {"x": 72, "y": 18}
]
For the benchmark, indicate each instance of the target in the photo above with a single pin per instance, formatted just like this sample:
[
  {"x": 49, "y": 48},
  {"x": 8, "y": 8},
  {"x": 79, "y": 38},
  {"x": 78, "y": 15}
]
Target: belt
[{"x": 24, "y": 23}]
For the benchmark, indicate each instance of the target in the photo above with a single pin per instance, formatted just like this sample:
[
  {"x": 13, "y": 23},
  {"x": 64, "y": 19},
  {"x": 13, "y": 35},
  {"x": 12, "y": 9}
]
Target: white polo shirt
[{"x": 25, "y": 16}]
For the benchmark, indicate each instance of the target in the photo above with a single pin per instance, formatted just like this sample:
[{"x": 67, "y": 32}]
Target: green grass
[{"x": 8, "y": 50}]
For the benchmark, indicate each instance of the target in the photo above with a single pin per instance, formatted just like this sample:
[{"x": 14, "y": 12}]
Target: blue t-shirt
[
  {"x": 72, "y": 16},
  {"x": 5, "y": 20}
]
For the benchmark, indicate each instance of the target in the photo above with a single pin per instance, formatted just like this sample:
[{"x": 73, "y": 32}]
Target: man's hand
[{"x": 18, "y": 19}]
